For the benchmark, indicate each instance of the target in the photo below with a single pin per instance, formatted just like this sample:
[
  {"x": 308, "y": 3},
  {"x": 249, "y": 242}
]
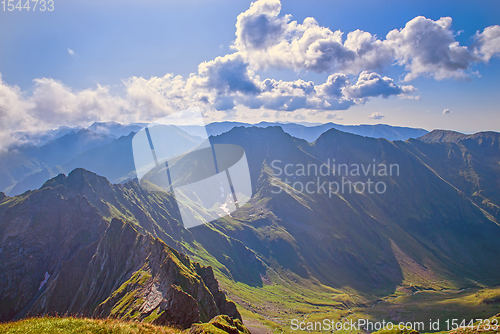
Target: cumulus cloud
[
  {"x": 335, "y": 94},
  {"x": 371, "y": 84},
  {"x": 447, "y": 111},
  {"x": 160, "y": 96},
  {"x": 267, "y": 40},
  {"x": 487, "y": 43},
  {"x": 423, "y": 47},
  {"x": 13, "y": 114},
  {"x": 334, "y": 85},
  {"x": 427, "y": 47},
  {"x": 71, "y": 52},
  {"x": 376, "y": 115},
  {"x": 227, "y": 74},
  {"x": 53, "y": 103},
  {"x": 224, "y": 103},
  {"x": 259, "y": 26},
  {"x": 227, "y": 81}
]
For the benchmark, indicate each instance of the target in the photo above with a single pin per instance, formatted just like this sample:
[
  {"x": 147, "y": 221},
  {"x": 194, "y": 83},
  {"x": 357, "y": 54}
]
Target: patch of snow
[
  {"x": 42, "y": 283},
  {"x": 224, "y": 208}
]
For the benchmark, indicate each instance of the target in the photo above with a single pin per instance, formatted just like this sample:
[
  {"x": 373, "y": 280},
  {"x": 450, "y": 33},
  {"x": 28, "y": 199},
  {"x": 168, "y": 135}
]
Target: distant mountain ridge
[
  {"x": 312, "y": 132},
  {"x": 21, "y": 162},
  {"x": 303, "y": 130},
  {"x": 104, "y": 148},
  {"x": 448, "y": 136}
]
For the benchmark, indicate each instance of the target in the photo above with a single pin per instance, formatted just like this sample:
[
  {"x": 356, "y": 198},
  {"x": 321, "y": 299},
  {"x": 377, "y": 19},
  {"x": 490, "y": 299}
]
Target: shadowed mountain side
[
  {"x": 469, "y": 162},
  {"x": 158, "y": 214},
  {"x": 442, "y": 136},
  {"x": 59, "y": 256},
  {"x": 417, "y": 231}
]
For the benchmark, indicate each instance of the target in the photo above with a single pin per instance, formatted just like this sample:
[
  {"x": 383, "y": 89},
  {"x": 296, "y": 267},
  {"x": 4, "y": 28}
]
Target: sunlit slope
[{"x": 69, "y": 325}]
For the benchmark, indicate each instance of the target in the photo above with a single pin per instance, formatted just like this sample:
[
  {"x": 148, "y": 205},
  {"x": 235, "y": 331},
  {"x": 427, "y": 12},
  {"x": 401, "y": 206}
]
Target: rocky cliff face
[
  {"x": 60, "y": 256},
  {"x": 45, "y": 239},
  {"x": 147, "y": 280}
]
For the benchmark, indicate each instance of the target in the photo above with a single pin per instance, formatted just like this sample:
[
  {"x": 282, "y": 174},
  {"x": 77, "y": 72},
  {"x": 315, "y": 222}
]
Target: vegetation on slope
[{"x": 68, "y": 325}]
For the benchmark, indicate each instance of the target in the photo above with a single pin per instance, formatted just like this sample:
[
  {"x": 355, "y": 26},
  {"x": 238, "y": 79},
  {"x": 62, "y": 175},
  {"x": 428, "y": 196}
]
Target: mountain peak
[
  {"x": 331, "y": 133},
  {"x": 449, "y": 136},
  {"x": 78, "y": 179},
  {"x": 442, "y": 136},
  {"x": 79, "y": 176},
  {"x": 269, "y": 133}
]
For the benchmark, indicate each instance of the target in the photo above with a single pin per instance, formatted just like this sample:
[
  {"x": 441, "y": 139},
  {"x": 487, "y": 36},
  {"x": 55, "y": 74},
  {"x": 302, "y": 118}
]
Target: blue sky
[{"x": 118, "y": 46}]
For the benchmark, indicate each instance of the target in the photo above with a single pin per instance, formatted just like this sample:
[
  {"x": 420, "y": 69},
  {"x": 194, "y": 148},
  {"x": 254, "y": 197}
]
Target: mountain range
[
  {"x": 435, "y": 227},
  {"x": 311, "y": 132},
  {"x": 105, "y": 148}
]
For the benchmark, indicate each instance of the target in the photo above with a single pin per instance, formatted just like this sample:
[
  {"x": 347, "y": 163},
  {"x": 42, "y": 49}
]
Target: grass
[
  {"x": 69, "y": 325},
  {"x": 221, "y": 324}
]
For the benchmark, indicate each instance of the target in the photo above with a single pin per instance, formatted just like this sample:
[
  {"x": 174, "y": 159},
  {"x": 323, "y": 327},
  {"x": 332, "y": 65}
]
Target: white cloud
[
  {"x": 267, "y": 40},
  {"x": 71, "y": 52},
  {"x": 335, "y": 94},
  {"x": 334, "y": 85},
  {"x": 427, "y": 47},
  {"x": 423, "y": 47},
  {"x": 13, "y": 115},
  {"x": 52, "y": 104},
  {"x": 487, "y": 43},
  {"x": 371, "y": 84},
  {"x": 376, "y": 115},
  {"x": 447, "y": 111},
  {"x": 259, "y": 26},
  {"x": 227, "y": 74},
  {"x": 264, "y": 114}
]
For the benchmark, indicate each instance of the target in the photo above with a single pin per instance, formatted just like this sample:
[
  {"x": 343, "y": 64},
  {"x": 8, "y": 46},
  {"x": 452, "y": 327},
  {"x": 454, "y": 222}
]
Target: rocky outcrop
[
  {"x": 152, "y": 282},
  {"x": 221, "y": 323}
]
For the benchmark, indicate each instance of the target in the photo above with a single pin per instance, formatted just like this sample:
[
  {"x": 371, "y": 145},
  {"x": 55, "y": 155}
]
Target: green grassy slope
[{"x": 70, "y": 325}]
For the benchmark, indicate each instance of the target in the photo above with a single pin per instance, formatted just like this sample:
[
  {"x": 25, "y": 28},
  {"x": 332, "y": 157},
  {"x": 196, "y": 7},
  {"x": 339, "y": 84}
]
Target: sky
[{"x": 427, "y": 64}]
